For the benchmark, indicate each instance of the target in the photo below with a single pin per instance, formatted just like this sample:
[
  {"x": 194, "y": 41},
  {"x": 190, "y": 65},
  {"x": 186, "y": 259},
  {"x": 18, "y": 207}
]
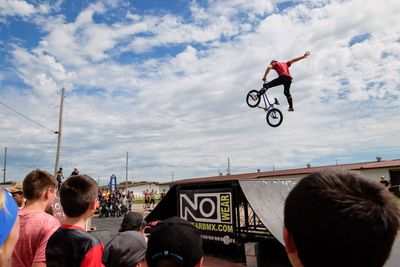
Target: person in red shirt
[
  {"x": 36, "y": 225},
  {"x": 71, "y": 245},
  {"x": 285, "y": 78}
]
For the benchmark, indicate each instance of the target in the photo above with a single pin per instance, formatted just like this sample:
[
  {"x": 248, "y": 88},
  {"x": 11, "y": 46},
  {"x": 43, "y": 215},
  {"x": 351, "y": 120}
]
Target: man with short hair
[
  {"x": 339, "y": 218},
  {"x": 174, "y": 243},
  {"x": 71, "y": 245},
  {"x": 36, "y": 226},
  {"x": 284, "y": 77}
]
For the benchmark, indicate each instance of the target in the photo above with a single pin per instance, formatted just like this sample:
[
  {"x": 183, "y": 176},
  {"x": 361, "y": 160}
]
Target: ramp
[
  {"x": 394, "y": 257},
  {"x": 267, "y": 198}
]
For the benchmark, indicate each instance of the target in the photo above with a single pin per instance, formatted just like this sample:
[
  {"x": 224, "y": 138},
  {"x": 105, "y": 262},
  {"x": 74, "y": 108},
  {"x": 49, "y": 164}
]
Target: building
[{"x": 390, "y": 169}]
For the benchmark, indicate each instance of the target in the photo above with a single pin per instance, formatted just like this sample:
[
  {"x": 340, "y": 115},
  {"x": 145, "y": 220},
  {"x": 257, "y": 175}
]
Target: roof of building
[{"x": 289, "y": 172}]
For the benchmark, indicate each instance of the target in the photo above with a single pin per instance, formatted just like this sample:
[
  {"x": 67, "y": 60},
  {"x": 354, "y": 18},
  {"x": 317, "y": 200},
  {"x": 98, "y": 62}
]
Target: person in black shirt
[
  {"x": 75, "y": 172},
  {"x": 71, "y": 245},
  {"x": 59, "y": 177}
]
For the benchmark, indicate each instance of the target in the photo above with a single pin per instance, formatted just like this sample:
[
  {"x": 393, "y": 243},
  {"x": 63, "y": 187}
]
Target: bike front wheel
[
  {"x": 274, "y": 117},
  {"x": 252, "y": 98}
]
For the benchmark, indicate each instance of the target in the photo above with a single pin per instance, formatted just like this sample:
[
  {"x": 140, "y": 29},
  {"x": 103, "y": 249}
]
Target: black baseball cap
[
  {"x": 125, "y": 249},
  {"x": 132, "y": 221},
  {"x": 177, "y": 240}
]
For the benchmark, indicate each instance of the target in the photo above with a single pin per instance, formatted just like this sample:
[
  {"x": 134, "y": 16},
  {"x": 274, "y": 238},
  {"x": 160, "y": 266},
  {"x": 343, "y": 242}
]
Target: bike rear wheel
[
  {"x": 252, "y": 98},
  {"x": 274, "y": 117}
]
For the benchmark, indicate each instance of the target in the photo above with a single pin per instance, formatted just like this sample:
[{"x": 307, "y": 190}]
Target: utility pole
[
  {"x": 126, "y": 175},
  {"x": 229, "y": 168},
  {"x": 59, "y": 132},
  {"x": 5, "y": 165}
]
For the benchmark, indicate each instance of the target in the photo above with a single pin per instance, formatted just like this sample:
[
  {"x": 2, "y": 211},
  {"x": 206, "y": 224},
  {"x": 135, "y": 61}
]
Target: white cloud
[
  {"x": 40, "y": 71},
  {"x": 16, "y": 8},
  {"x": 185, "y": 112},
  {"x": 25, "y": 9}
]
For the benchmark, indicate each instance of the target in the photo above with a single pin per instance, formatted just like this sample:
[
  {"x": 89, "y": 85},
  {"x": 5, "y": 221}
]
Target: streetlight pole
[
  {"x": 5, "y": 165},
  {"x": 59, "y": 132},
  {"x": 126, "y": 175}
]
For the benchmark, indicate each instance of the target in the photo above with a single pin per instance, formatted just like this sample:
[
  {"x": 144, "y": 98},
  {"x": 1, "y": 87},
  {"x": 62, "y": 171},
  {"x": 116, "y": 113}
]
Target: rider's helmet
[{"x": 273, "y": 61}]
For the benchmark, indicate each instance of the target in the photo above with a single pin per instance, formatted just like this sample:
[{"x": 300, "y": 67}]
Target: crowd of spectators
[
  {"x": 115, "y": 203},
  {"x": 331, "y": 218}
]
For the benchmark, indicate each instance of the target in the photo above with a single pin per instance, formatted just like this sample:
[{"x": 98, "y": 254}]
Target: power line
[
  {"x": 45, "y": 152},
  {"x": 26, "y": 117}
]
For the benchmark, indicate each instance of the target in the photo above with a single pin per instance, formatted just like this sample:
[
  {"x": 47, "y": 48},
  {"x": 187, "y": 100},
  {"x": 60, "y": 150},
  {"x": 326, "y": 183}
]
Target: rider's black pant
[{"x": 286, "y": 82}]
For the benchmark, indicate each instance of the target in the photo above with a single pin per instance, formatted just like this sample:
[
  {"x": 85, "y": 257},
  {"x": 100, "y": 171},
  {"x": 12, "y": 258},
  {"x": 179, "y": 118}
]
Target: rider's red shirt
[{"x": 282, "y": 68}]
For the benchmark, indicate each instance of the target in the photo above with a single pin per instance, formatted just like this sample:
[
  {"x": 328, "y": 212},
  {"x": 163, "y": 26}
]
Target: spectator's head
[
  {"x": 339, "y": 218},
  {"x": 132, "y": 221},
  {"x": 9, "y": 230},
  {"x": 39, "y": 185},
  {"x": 78, "y": 196},
  {"x": 127, "y": 249},
  {"x": 17, "y": 193},
  {"x": 174, "y": 243}
]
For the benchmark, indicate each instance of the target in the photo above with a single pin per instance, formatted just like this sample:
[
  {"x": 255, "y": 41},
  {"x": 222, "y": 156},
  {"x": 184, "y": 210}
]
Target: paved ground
[{"x": 108, "y": 227}]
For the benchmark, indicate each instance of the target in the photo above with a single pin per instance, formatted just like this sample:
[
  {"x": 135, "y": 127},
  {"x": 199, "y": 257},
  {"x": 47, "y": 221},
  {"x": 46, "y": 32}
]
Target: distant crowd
[
  {"x": 331, "y": 218},
  {"x": 114, "y": 203}
]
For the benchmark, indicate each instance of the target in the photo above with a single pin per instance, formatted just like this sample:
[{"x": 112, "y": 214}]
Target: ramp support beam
[{"x": 252, "y": 252}]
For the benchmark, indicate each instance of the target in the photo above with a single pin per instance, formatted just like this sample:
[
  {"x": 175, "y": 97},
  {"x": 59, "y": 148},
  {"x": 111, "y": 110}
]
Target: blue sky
[{"x": 166, "y": 82}]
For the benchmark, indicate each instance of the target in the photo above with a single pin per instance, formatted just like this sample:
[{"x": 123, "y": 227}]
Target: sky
[{"x": 166, "y": 81}]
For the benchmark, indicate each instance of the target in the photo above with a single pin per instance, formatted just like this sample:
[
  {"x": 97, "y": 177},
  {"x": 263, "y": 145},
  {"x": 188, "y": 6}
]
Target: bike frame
[
  {"x": 267, "y": 104},
  {"x": 274, "y": 116}
]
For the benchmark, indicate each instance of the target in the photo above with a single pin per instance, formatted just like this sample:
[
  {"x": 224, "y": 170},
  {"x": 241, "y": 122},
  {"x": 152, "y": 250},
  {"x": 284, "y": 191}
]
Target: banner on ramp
[{"x": 210, "y": 211}]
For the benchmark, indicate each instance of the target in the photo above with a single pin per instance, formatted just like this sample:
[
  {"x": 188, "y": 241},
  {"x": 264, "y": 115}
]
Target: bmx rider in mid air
[{"x": 285, "y": 78}]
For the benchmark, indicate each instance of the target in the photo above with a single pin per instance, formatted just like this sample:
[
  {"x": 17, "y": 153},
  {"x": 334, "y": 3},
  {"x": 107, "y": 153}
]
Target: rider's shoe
[
  {"x": 254, "y": 97},
  {"x": 291, "y": 109},
  {"x": 261, "y": 92}
]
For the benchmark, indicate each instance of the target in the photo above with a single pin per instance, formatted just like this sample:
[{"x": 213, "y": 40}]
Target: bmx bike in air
[{"x": 274, "y": 116}]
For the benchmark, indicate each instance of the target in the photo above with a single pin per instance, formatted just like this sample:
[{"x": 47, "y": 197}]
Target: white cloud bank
[{"x": 184, "y": 112}]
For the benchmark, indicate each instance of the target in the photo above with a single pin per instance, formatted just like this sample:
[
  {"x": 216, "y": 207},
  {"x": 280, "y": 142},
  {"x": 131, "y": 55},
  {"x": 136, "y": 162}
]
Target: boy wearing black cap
[{"x": 174, "y": 243}]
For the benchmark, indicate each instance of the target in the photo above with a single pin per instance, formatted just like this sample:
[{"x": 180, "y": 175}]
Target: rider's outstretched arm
[
  {"x": 266, "y": 73},
  {"x": 306, "y": 54}
]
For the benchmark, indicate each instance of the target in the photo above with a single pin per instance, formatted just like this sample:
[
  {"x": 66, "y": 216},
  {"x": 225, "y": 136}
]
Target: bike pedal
[{"x": 277, "y": 102}]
